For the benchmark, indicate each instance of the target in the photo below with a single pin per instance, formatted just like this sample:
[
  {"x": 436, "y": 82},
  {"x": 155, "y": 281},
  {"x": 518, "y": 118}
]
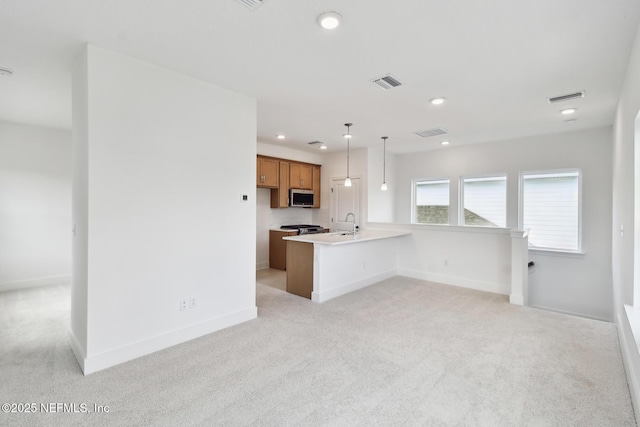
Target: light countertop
[{"x": 342, "y": 238}]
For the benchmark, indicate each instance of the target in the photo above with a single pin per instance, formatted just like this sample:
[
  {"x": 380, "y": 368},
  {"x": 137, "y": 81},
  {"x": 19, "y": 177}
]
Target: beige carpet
[
  {"x": 271, "y": 277},
  {"x": 402, "y": 352}
]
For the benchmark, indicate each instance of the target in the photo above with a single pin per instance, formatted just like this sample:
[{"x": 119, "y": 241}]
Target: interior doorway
[{"x": 344, "y": 200}]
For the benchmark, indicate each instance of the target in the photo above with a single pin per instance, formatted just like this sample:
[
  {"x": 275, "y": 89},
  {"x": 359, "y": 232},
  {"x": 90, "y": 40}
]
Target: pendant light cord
[
  {"x": 347, "y": 158},
  {"x": 348, "y": 136},
  {"x": 384, "y": 159}
]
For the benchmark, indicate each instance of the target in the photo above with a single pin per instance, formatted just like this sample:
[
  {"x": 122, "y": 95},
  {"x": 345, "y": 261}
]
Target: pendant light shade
[
  {"x": 383, "y": 187},
  {"x": 347, "y": 182}
]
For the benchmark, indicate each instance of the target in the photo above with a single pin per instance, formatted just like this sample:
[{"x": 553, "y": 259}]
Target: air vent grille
[
  {"x": 566, "y": 97},
  {"x": 386, "y": 82},
  {"x": 316, "y": 143},
  {"x": 432, "y": 132},
  {"x": 252, "y": 4}
]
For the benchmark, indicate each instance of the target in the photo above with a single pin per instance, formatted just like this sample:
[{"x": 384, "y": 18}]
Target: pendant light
[
  {"x": 347, "y": 182},
  {"x": 383, "y": 187}
]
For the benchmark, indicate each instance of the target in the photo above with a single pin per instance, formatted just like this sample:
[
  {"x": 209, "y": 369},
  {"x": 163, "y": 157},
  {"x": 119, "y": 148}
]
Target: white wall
[
  {"x": 283, "y": 152},
  {"x": 476, "y": 258},
  {"x": 263, "y": 202},
  {"x": 168, "y": 160},
  {"x": 574, "y": 284},
  {"x": 78, "y": 330},
  {"x": 381, "y": 203},
  {"x": 625, "y": 213},
  {"x": 35, "y": 206}
]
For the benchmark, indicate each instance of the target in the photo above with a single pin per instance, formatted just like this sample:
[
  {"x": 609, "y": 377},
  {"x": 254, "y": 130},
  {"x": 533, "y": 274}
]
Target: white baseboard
[
  {"x": 33, "y": 283},
  {"x": 77, "y": 348},
  {"x": 570, "y": 313},
  {"x": 631, "y": 360},
  {"x": 98, "y": 362},
  {"x": 350, "y": 287},
  {"x": 516, "y": 299},
  {"x": 495, "y": 288}
]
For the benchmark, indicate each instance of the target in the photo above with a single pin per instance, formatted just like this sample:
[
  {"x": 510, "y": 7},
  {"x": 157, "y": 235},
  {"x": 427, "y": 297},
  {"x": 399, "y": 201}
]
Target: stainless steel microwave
[{"x": 301, "y": 198}]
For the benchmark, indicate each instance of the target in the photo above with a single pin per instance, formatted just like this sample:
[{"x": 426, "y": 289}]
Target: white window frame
[
  {"x": 461, "y": 197},
  {"x": 521, "y": 207},
  {"x": 414, "y": 198}
]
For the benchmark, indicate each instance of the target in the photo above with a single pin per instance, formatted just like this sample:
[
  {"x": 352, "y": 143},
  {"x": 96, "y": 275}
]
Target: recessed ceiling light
[
  {"x": 323, "y": 147},
  {"x": 437, "y": 101},
  {"x": 329, "y": 20},
  {"x": 445, "y": 143},
  {"x": 280, "y": 136},
  {"x": 5, "y": 72},
  {"x": 568, "y": 111}
]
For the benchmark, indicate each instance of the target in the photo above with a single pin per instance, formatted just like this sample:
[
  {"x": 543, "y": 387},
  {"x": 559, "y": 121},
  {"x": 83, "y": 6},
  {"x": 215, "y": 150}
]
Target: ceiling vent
[
  {"x": 316, "y": 143},
  {"x": 386, "y": 82},
  {"x": 566, "y": 97},
  {"x": 252, "y": 4},
  {"x": 432, "y": 132}
]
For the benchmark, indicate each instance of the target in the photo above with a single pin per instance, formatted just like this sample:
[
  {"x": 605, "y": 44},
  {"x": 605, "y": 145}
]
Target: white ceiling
[{"x": 496, "y": 62}]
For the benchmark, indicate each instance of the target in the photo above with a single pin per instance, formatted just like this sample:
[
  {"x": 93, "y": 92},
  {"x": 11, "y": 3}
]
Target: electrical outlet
[
  {"x": 184, "y": 304},
  {"x": 192, "y": 302}
]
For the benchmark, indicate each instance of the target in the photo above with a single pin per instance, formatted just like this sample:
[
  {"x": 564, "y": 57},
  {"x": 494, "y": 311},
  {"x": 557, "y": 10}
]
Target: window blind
[
  {"x": 485, "y": 201},
  {"x": 551, "y": 210}
]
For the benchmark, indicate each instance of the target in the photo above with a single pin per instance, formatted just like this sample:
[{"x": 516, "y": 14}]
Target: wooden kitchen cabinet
[
  {"x": 301, "y": 176},
  {"x": 278, "y": 248},
  {"x": 268, "y": 172},
  {"x": 281, "y": 175},
  {"x": 280, "y": 195},
  {"x": 316, "y": 186},
  {"x": 300, "y": 273}
]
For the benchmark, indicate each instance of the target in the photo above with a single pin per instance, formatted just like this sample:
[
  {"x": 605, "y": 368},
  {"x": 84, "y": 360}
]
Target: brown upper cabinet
[
  {"x": 268, "y": 172},
  {"x": 301, "y": 176},
  {"x": 280, "y": 175},
  {"x": 280, "y": 196},
  {"x": 316, "y": 186}
]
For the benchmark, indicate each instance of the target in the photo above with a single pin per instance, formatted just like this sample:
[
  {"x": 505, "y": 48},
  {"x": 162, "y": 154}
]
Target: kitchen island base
[
  {"x": 324, "y": 266},
  {"x": 300, "y": 271}
]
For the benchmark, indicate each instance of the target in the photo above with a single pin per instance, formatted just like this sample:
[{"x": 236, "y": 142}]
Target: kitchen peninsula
[{"x": 325, "y": 266}]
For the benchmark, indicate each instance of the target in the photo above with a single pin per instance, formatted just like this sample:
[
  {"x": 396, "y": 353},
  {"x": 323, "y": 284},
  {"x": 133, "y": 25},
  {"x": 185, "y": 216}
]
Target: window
[
  {"x": 431, "y": 201},
  {"x": 484, "y": 201},
  {"x": 551, "y": 209}
]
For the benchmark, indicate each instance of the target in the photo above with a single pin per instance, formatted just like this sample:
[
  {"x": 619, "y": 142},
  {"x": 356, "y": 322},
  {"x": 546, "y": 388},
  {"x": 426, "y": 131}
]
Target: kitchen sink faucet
[{"x": 346, "y": 218}]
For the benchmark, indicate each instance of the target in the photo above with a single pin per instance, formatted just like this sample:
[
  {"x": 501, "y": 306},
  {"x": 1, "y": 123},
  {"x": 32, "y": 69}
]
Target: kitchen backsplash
[
  {"x": 274, "y": 218},
  {"x": 289, "y": 216},
  {"x": 286, "y": 216}
]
